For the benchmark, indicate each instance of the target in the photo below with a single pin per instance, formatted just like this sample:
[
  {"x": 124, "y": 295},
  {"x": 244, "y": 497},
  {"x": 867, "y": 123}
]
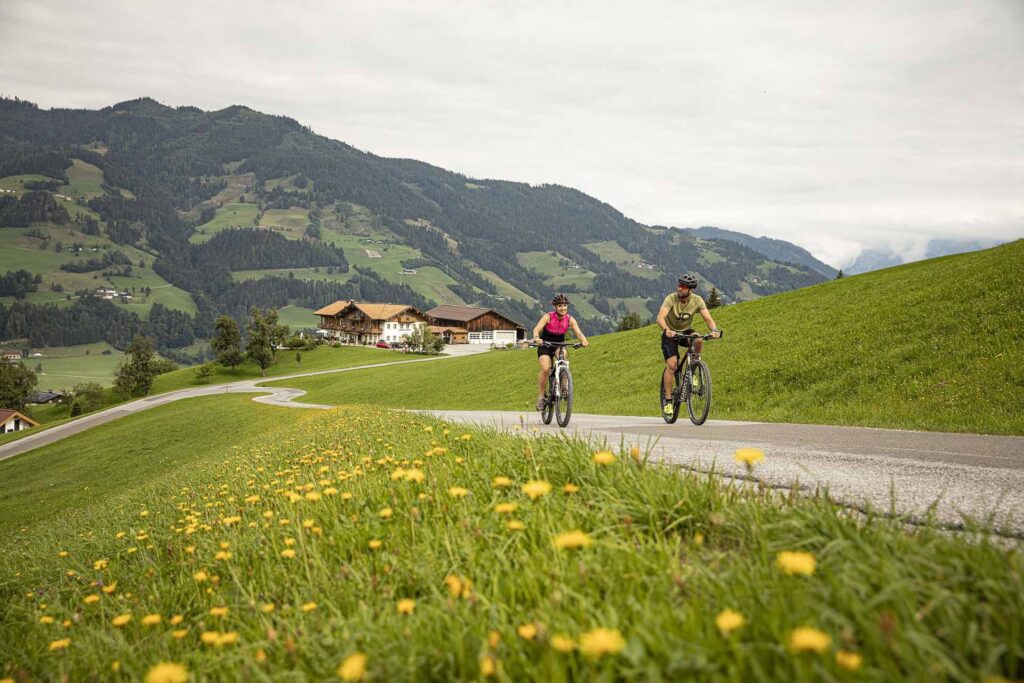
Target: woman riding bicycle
[
  {"x": 552, "y": 327},
  {"x": 675, "y": 320}
]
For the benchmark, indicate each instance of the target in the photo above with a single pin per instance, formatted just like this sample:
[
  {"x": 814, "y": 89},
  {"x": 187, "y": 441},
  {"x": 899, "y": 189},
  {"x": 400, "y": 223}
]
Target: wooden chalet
[
  {"x": 473, "y": 325},
  {"x": 360, "y": 322},
  {"x": 14, "y": 421}
]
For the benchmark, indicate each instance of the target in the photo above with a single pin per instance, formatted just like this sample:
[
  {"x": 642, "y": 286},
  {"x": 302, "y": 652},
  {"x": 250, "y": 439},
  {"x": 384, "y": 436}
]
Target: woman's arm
[
  {"x": 578, "y": 333},
  {"x": 544, "y": 319}
]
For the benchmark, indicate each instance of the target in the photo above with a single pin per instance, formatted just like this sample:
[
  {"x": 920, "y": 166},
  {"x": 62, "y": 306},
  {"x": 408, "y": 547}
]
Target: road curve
[{"x": 906, "y": 472}]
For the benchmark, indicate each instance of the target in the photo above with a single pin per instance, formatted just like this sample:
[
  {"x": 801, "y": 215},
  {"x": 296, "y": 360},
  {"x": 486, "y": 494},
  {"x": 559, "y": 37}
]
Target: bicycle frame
[{"x": 561, "y": 364}]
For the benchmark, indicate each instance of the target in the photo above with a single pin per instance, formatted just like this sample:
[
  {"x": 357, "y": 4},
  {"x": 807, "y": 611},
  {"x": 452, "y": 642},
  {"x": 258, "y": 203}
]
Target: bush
[
  {"x": 205, "y": 372},
  {"x": 162, "y": 366}
]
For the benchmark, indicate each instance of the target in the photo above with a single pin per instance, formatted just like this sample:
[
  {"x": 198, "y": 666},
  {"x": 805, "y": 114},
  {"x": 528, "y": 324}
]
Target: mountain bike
[
  {"x": 558, "y": 396},
  {"x": 693, "y": 385}
]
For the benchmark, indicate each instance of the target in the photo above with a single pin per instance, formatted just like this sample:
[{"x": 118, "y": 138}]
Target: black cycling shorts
[
  {"x": 670, "y": 345},
  {"x": 547, "y": 350}
]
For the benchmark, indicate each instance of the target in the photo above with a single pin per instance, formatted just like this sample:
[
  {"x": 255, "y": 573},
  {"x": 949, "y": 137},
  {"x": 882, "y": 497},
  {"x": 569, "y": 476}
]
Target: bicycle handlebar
[
  {"x": 554, "y": 345},
  {"x": 705, "y": 337}
]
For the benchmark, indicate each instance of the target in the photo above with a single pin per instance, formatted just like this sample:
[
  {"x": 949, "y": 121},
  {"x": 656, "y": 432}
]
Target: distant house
[
  {"x": 408, "y": 271},
  {"x": 13, "y": 421},
  {"x": 12, "y": 357},
  {"x": 46, "y": 397},
  {"x": 360, "y": 322},
  {"x": 473, "y": 325}
]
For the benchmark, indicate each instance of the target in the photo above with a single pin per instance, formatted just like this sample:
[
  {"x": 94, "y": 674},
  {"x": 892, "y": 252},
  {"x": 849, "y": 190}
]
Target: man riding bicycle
[
  {"x": 553, "y": 327},
  {"x": 675, "y": 320}
]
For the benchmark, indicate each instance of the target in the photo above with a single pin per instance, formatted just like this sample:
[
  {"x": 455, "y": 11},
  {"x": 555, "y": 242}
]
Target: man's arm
[
  {"x": 576, "y": 331},
  {"x": 706, "y": 314},
  {"x": 662, "y": 314}
]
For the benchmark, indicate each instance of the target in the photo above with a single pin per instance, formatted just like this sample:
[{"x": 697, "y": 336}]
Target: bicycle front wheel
[
  {"x": 698, "y": 399},
  {"x": 563, "y": 406},
  {"x": 549, "y": 401}
]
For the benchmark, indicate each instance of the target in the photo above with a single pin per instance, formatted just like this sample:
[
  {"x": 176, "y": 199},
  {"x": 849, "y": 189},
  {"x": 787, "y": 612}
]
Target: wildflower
[
  {"x": 458, "y": 492},
  {"x": 406, "y": 606},
  {"x": 222, "y": 555},
  {"x": 505, "y": 508},
  {"x": 200, "y": 576},
  {"x": 288, "y": 553},
  {"x": 501, "y": 482},
  {"x": 228, "y": 521},
  {"x": 493, "y": 638},
  {"x": 309, "y": 607},
  {"x": 115, "y": 666},
  {"x": 601, "y": 641},
  {"x": 353, "y": 668},
  {"x": 45, "y": 619},
  {"x": 535, "y": 488},
  {"x": 61, "y": 644},
  {"x": 121, "y": 619},
  {"x": 384, "y": 514},
  {"x": 63, "y": 553},
  {"x": 90, "y": 599},
  {"x": 167, "y": 672},
  {"x": 180, "y": 633},
  {"x": 488, "y": 667},
  {"x": 108, "y": 589},
  {"x": 414, "y": 475},
  {"x": 99, "y": 564},
  {"x": 748, "y": 456},
  {"x": 527, "y": 631},
  {"x": 260, "y": 656},
  {"x": 267, "y": 607},
  {"x": 572, "y": 539},
  {"x": 144, "y": 513},
  {"x": 151, "y": 619},
  {"x": 795, "y": 562},
  {"x": 570, "y": 488},
  {"x": 851, "y": 661},
  {"x": 604, "y": 457},
  {"x": 312, "y": 496},
  {"x": 514, "y": 525},
  {"x": 375, "y": 544},
  {"x": 176, "y": 619},
  {"x": 465, "y": 437},
  {"x": 634, "y": 452},
  {"x": 806, "y": 639},
  {"x": 458, "y": 586},
  {"x": 728, "y": 621},
  {"x": 562, "y": 643},
  {"x": 428, "y": 429},
  {"x": 218, "y": 611},
  {"x": 229, "y": 638}
]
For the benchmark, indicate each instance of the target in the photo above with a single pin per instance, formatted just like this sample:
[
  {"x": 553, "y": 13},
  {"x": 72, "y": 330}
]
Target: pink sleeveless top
[{"x": 556, "y": 326}]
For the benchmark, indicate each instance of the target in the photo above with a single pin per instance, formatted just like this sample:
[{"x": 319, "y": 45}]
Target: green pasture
[
  {"x": 231, "y": 215},
  {"x": 883, "y": 349},
  {"x": 84, "y": 180},
  {"x": 287, "y": 183},
  {"x": 319, "y": 273},
  {"x": 543, "y": 262},
  {"x": 66, "y": 366},
  {"x": 292, "y": 223},
  {"x": 504, "y": 287},
  {"x": 297, "y": 317},
  {"x": 635, "y": 304},
  {"x": 246, "y": 542},
  {"x": 613, "y": 252}
]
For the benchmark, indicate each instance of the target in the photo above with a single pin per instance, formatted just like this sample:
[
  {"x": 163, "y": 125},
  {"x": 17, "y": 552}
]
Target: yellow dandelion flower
[
  {"x": 62, "y": 553},
  {"x": 329, "y": 491},
  {"x": 795, "y": 562},
  {"x": 527, "y": 631},
  {"x": 385, "y": 513},
  {"x": 209, "y": 637},
  {"x": 222, "y": 555},
  {"x": 167, "y": 672},
  {"x": 90, "y": 599},
  {"x": 375, "y": 544},
  {"x": 45, "y": 619},
  {"x": 200, "y": 576},
  {"x": 634, "y": 452},
  {"x": 601, "y": 641},
  {"x": 309, "y": 606},
  {"x": 218, "y": 611},
  {"x": 267, "y": 607},
  {"x": 572, "y": 539},
  {"x": 312, "y": 496},
  {"x": 514, "y": 525},
  {"x": 353, "y": 668},
  {"x": 62, "y": 644},
  {"x": 728, "y": 621},
  {"x": 570, "y": 488},
  {"x": 604, "y": 457},
  {"x": 458, "y": 586},
  {"x": 151, "y": 619},
  {"x": 458, "y": 492},
  {"x": 180, "y": 633},
  {"x": 748, "y": 456},
  {"x": 501, "y": 482},
  {"x": 493, "y": 638},
  {"x": 287, "y": 553},
  {"x": 851, "y": 661},
  {"x": 228, "y": 521},
  {"x": 115, "y": 666},
  {"x": 698, "y": 538},
  {"x": 406, "y": 606},
  {"x": 466, "y": 437},
  {"x": 346, "y": 496},
  {"x": 99, "y": 564},
  {"x": 488, "y": 667},
  {"x": 144, "y": 513},
  {"x": 505, "y": 508},
  {"x": 535, "y": 488},
  {"x": 260, "y": 656},
  {"x": 229, "y": 638},
  {"x": 428, "y": 429},
  {"x": 176, "y": 619},
  {"x": 562, "y": 643},
  {"x": 110, "y": 588},
  {"x": 806, "y": 639},
  {"x": 121, "y": 619},
  {"x": 414, "y": 475}
]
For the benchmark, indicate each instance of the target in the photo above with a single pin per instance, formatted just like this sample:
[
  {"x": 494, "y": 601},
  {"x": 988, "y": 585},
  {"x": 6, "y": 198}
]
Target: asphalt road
[{"x": 885, "y": 469}]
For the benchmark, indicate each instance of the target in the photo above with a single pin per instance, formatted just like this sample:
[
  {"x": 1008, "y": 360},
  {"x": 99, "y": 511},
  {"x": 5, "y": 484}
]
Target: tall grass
[
  {"x": 282, "y": 556},
  {"x": 936, "y": 345}
]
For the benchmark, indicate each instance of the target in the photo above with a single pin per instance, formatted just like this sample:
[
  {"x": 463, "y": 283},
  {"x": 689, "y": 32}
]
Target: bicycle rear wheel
[
  {"x": 563, "y": 406},
  {"x": 698, "y": 399},
  {"x": 672, "y": 416},
  {"x": 549, "y": 401}
]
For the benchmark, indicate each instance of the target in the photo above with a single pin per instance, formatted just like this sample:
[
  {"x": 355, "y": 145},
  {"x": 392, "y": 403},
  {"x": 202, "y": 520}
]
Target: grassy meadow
[
  {"x": 361, "y": 544},
  {"x": 894, "y": 348}
]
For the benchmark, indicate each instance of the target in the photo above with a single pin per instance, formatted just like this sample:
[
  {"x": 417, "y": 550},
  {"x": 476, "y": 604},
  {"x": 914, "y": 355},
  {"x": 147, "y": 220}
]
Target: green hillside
[
  {"x": 933, "y": 345},
  {"x": 235, "y": 541}
]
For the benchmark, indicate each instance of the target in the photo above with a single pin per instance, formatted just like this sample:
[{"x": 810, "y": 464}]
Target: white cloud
[{"x": 838, "y": 127}]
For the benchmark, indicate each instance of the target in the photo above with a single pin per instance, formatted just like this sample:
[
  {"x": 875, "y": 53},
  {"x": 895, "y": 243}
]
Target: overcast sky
[{"x": 837, "y": 126}]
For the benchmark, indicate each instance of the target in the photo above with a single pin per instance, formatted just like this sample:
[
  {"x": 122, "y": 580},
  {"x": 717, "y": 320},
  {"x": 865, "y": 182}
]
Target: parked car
[{"x": 382, "y": 345}]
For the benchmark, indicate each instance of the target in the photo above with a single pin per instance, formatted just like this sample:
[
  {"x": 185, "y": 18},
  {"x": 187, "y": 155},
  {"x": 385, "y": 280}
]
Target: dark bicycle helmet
[
  {"x": 688, "y": 281},
  {"x": 560, "y": 299}
]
